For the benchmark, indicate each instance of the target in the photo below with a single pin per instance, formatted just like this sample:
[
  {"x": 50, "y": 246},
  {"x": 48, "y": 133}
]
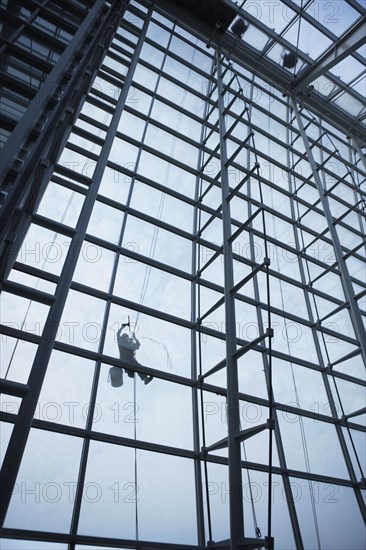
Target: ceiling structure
[{"x": 328, "y": 39}]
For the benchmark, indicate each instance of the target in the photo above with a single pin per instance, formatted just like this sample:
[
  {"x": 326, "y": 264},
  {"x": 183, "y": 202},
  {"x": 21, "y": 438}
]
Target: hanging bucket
[{"x": 116, "y": 376}]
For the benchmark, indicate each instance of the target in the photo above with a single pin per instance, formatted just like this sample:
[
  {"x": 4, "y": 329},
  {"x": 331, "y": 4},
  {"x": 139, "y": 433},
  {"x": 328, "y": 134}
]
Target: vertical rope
[{"x": 136, "y": 467}]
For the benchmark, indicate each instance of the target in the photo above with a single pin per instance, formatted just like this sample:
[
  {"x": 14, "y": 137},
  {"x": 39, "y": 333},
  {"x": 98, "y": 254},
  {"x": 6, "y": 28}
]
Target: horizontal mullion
[
  {"x": 164, "y": 100},
  {"x": 147, "y": 218},
  {"x": 19, "y": 86},
  {"x": 84, "y": 152},
  {"x": 27, "y": 56},
  {"x": 104, "y": 97},
  {"x": 117, "y": 83},
  {"x": 113, "y": 72},
  {"x": 159, "y": 154},
  {"x": 97, "y": 103},
  {"x": 160, "y": 187},
  {"x": 117, "y": 57},
  {"x": 28, "y": 292},
  {"x": 75, "y": 176},
  {"x": 95, "y": 356},
  {"x": 125, "y": 41},
  {"x": 94, "y": 138},
  {"x": 172, "y": 79},
  {"x": 92, "y": 121},
  {"x": 121, "y": 51},
  {"x": 52, "y": 225}
]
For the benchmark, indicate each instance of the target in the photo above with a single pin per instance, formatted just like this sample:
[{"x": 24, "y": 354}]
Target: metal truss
[{"x": 351, "y": 41}]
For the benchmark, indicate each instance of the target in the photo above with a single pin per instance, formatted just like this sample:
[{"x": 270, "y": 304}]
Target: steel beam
[
  {"x": 345, "y": 276},
  {"x": 264, "y": 67},
  {"x": 328, "y": 370},
  {"x": 234, "y": 451},
  {"x": 342, "y": 48}
]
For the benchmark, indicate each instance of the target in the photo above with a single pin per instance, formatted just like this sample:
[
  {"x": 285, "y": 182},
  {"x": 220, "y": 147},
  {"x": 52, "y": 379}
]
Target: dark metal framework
[{"x": 229, "y": 145}]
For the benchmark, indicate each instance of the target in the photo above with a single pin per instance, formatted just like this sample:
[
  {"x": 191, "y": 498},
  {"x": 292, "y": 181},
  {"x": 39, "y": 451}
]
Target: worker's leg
[{"x": 145, "y": 378}]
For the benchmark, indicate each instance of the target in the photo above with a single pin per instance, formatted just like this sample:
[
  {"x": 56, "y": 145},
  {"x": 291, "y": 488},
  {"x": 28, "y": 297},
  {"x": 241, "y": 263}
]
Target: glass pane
[{"x": 43, "y": 496}]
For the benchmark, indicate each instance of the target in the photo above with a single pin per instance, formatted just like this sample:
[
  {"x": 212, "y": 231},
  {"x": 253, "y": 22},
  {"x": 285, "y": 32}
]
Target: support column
[
  {"x": 196, "y": 334},
  {"x": 233, "y": 419},
  {"x": 345, "y": 276}
]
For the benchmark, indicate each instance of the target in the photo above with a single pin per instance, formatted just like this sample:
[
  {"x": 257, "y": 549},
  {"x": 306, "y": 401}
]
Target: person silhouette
[{"x": 128, "y": 345}]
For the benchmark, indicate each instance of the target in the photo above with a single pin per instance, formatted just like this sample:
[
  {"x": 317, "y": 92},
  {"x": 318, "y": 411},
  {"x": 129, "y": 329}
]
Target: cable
[
  {"x": 135, "y": 465},
  {"x": 142, "y": 299}
]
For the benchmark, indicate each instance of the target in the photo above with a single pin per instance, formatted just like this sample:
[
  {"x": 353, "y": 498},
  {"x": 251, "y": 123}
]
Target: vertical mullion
[
  {"x": 196, "y": 332},
  {"x": 328, "y": 389},
  {"x": 233, "y": 418},
  {"x": 345, "y": 277}
]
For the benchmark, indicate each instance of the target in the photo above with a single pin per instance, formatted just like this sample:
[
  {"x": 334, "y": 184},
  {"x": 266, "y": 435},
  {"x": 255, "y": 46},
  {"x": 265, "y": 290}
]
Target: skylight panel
[{"x": 311, "y": 41}]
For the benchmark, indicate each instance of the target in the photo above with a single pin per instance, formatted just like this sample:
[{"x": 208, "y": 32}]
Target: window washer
[{"x": 127, "y": 345}]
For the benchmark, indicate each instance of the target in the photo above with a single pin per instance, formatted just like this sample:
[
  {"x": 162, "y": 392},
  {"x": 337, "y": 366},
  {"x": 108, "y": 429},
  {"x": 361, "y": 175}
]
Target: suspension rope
[
  {"x": 141, "y": 301},
  {"x": 135, "y": 464}
]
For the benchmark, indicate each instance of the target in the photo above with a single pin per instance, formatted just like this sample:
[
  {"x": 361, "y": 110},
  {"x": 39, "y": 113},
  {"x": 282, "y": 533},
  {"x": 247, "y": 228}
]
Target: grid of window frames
[
  {"x": 130, "y": 228},
  {"x": 34, "y": 34}
]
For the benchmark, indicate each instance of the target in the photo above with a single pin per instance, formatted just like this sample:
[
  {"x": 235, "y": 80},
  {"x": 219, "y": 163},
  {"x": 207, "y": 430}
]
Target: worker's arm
[
  {"x": 121, "y": 328},
  {"x": 137, "y": 343}
]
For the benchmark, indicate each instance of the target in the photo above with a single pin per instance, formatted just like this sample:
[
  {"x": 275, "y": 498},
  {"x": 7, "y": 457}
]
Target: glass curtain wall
[{"x": 130, "y": 230}]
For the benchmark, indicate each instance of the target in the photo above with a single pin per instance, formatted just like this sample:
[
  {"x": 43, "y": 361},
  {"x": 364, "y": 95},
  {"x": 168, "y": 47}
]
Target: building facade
[{"x": 195, "y": 171}]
